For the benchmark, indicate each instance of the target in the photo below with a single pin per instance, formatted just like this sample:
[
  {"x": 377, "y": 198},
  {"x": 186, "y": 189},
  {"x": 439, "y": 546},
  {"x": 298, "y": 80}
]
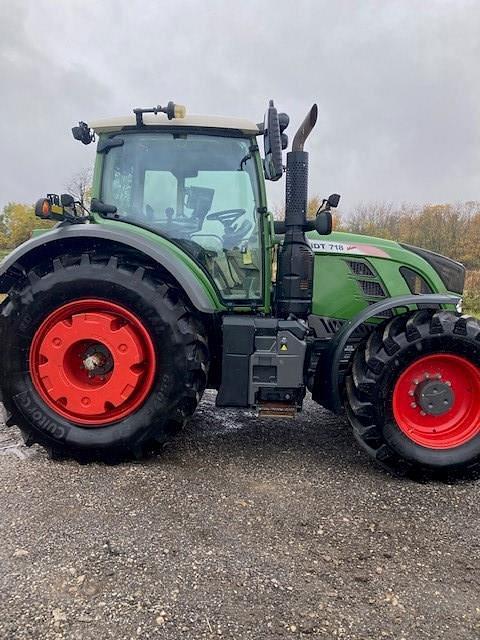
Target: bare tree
[{"x": 80, "y": 186}]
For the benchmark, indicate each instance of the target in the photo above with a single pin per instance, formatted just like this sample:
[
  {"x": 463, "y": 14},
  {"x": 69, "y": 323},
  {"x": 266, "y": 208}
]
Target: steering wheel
[
  {"x": 234, "y": 233},
  {"x": 226, "y": 216}
]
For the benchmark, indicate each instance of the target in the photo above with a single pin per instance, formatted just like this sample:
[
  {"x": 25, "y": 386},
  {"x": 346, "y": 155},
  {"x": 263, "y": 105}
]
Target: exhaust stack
[
  {"x": 305, "y": 129},
  {"x": 295, "y": 262}
]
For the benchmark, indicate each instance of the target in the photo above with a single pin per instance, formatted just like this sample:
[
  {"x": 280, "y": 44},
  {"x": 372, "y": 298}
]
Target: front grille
[
  {"x": 383, "y": 314},
  {"x": 360, "y": 268},
  {"x": 372, "y": 289}
]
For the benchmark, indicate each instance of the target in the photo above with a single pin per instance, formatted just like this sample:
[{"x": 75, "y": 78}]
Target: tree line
[
  {"x": 452, "y": 230},
  {"x": 18, "y": 220}
]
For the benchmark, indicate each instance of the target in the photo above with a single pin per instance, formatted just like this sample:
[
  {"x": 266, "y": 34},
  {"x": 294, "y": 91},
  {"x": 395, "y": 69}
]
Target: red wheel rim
[
  {"x": 92, "y": 362},
  {"x": 456, "y": 383}
]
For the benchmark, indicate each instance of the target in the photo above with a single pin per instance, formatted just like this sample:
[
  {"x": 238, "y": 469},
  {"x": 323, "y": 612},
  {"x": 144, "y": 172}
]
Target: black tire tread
[
  {"x": 190, "y": 333},
  {"x": 384, "y": 346}
]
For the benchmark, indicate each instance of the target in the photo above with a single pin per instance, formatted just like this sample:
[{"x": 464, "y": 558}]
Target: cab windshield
[{"x": 200, "y": 191}]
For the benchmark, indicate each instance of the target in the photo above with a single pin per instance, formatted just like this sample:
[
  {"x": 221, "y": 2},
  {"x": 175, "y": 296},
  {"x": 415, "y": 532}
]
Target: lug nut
[{"x": 414, "y": 405}]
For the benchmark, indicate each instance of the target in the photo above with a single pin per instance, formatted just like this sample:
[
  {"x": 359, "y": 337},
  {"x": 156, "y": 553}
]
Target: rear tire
[
  {"x": 169, "y": 363},
  {"x": 388, "y": 393}
]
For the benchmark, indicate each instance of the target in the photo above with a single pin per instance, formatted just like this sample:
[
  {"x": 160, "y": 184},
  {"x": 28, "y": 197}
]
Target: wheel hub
[
  {"x": 97, "y": 360},
  {"x": 436, "y": 401},
  {"x": 92, "y": 362},
  {"x": 435, "y": 397}
]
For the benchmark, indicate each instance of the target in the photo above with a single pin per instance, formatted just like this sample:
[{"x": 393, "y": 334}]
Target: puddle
[
  {"x": 11, "y": 443},
  {"x": 10, "y": 446}
]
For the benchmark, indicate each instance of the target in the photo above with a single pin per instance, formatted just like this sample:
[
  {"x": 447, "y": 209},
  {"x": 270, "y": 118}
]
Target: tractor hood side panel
[{"x": 352, "y": 272}]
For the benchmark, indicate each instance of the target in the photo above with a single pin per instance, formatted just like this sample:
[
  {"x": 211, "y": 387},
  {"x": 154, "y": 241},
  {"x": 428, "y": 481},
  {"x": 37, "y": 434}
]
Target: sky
[{"x": 396, "y": 83}]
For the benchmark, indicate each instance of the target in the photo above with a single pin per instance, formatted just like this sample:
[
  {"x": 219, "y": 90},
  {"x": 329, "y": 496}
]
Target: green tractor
[{"x": 179, "y": 279}]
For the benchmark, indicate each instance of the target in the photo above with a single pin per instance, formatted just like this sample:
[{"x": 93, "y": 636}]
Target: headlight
[
  {"x": 451, "y": 272},
  {"x": 416, "y": 283}
]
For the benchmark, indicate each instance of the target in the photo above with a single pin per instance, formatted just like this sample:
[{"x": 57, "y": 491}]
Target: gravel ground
[{"x": 240, "y": 529}]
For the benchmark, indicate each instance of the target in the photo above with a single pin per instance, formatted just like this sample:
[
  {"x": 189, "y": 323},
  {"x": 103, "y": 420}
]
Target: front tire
[
  {"x": 413, "y": 392},
  {"x": 101, "y": 358}
]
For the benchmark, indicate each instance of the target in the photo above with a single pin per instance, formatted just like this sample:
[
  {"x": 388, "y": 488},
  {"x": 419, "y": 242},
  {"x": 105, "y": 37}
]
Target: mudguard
[
  {"x": 327, "y": 389},
  {"x": 183, "y": 269}
]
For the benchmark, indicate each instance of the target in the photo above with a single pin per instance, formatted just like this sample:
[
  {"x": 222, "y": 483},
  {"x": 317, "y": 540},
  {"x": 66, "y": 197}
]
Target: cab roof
[{"x": 161, "y": 120}]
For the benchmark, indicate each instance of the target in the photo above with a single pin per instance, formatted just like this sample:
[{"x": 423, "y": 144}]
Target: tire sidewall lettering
[{"x": 41, "y": 419}]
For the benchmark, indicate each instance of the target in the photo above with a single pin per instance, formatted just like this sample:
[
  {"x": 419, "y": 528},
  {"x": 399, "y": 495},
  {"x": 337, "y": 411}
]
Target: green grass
[
  {"x": 471, "y": 297},
  {"x": 471, "y": 301},
  {"x": 471, "y": 309}
]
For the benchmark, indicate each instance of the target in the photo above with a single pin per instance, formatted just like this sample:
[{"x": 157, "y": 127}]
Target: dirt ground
[{"x": 240, "y": 529}]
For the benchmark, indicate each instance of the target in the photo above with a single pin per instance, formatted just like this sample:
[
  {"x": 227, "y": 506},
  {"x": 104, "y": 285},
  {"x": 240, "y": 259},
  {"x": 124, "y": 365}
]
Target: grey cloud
[{"x": 396, "y": 83}]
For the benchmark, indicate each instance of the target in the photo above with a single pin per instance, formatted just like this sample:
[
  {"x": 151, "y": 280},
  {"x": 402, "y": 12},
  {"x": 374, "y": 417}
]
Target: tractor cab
[{"x": 197, "y": 182}]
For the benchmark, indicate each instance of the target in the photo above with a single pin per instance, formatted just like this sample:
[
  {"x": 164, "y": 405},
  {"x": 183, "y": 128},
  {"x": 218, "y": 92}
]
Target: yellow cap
[{"x": 180, "y": 111}]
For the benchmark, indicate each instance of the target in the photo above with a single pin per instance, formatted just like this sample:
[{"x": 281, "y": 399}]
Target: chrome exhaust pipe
[{"x": 305, "y": 129}]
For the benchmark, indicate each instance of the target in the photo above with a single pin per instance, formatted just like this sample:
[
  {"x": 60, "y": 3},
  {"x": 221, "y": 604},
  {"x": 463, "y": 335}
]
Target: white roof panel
[{"x": 150, "y": 119}]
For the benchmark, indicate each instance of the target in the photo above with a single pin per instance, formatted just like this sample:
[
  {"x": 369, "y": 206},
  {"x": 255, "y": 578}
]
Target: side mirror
[
  {"x": 333, "y": 201},
  {"x": 67, "y": 200},
  {"x": 329, "y": 203},
  {"x": 323, "y": 223},
  {"x": 272, "y": 139}
]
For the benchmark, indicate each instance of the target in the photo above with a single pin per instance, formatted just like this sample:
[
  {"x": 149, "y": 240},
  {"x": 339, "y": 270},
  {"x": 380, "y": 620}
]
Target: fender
[
  {"x": 186, "y": 272},
  {"x": 327, "y": 389}
]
